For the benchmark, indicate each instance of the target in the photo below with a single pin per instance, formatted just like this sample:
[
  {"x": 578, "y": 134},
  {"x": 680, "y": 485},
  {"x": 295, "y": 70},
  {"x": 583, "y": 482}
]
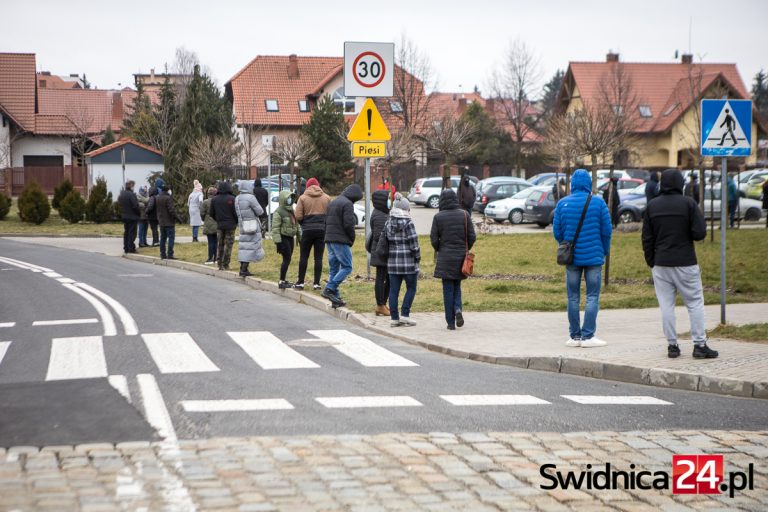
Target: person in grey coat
[
  {"x": 194, "y": 202},
  {"x": 249, "y": 244}
]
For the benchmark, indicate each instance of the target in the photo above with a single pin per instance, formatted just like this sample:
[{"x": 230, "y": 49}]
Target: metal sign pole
[
  {"x": 723, "y": 219},
  {"x": 368, "y": 209}
]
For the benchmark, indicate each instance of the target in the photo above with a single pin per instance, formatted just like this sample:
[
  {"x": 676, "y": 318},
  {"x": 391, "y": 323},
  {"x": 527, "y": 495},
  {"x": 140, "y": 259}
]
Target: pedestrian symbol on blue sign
[{"x": 726, "y": 127}]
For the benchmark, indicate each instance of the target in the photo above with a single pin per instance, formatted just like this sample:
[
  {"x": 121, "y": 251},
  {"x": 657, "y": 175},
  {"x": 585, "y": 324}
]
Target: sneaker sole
[{"x": 459, "y": 320}]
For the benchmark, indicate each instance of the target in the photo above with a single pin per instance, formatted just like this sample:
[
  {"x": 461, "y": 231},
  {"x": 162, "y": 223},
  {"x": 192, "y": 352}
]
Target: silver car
[
  {"x": 511, "y": 208},
  {"x": 426, "y": 191}
]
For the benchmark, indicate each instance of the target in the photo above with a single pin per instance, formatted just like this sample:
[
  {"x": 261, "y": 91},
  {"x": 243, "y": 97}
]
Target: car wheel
[
  {"x": 627, "y": 217},
  {"x": 515, "y": 217},
  {"x": 542, "y": 224},
  {"x": 752, "y": 214},
  {"x": 498, "y": 221},
  {"x": 433, "y": 202}
]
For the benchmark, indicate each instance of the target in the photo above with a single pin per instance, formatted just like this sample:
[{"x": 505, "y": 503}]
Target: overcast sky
[{"x": 109, "y": 41}]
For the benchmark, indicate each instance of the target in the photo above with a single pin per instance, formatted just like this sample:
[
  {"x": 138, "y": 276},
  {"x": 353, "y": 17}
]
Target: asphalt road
[{"x": 159, "y": 337}]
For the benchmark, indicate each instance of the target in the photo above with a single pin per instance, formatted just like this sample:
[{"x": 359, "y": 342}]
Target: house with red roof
[{"x": 668, "y": 96}]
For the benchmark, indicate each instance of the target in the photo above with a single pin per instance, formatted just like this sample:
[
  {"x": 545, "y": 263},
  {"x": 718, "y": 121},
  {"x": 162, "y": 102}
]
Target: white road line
[
  {"x": 177, "y": 352},
  {"x": 53, "y": 275},
  {"x": 3, "y": 349},
  {"x": 66, "y": 322},
  {"x": 106, "y": 317},
  {"x": 262, "y": 404},
  {"x": 347, "y": 402},
  {"x": 7, "y": 324},
  {"x": 77, "y": 358},
  {"x": 269, "y": 352},
  {"x": 129, "y": 324},
  {"x": 493, "y": 400},
  {"x": 65, "y": 280},
  {"x": 24, "y": 264},
  {"x": 615, "y": 400},
  {"x": 362, "y": 350},
  {"x": 120, "y": 383},
  {"x": 154, "y": 407}
]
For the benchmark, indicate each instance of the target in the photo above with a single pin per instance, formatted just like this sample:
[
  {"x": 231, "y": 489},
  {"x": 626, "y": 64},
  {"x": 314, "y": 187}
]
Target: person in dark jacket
[
  {"x": 671, "y": 223},
  {"x": 129, "y": 208},
  {"x": 652, "y": 187},
  {"x": 765, "y": 201},
  {"x": 223, "y": 212},
  {"x": 285, "y": 231},
  {"x": 310, "y": 212},
  {"x": 612, "y": 199},
  {"x": 381, "y": 200},
  {"x": 262, "y": 197},
  {"x": 593, "y": 243},
  {"x": 692, "y": 188},
  {"x": 452, "y": 235},
  {"x": 152, "y": 212},
  {"x": 340, "y": 221},
  {"x": 733, "y": 200},
  {"x": 143, "y": 198},
  {"x": 167, "y": 219},
  {"x": 404, "y": 256},
  {"x": 467, "y": 194},
  {"x": 209, "y": 226},
  {"x": 558, "y": 189}
]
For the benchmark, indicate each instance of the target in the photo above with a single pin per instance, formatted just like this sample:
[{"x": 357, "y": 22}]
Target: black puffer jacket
[
  {"x": 151, "y": 209},
  {"x": 652, "y": 188},
  {"x": 449, "y": 237},
  {"x": 166, "y": 211},
  {"x": 340, "y": 219},
  {"x": 379, "y": 217},
  {"x": 671, "y": 223},
  {"x": 467, "y": 194},
  {"x": 261, "y": 194},
  {"x": 129, "y": 205},
  {"x": 223, "y": 207}
]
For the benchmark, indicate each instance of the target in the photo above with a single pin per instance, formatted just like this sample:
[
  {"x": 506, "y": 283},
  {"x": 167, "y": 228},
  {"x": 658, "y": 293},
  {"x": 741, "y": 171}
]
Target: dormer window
[
  {"x": 271, "y": 105},
  {"x": 645, "y": 111},
  {"x": 396, "y": 107},
  {"x": 303, "y": 106}
]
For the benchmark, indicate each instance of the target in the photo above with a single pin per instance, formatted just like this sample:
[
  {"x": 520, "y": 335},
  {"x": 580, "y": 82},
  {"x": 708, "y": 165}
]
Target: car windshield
[{"x": 523, "y": 194}]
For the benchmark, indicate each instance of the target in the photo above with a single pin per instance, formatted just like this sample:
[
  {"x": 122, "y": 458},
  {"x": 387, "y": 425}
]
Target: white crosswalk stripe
[
  {"x": 493, "y": 400},
  {"x": 362, "y": 350},
  {"x": 177, "y": 352},
  {"x": 269, "y": 352},
  {"x": 7, "y": 324},
  {"x": 350, "y": 402},
  {"x": 77, "y": 358},
  {"x": 261, "y": 404},
  {"x": 615, "y": 400},
  {"x": 3, "y": 349}
]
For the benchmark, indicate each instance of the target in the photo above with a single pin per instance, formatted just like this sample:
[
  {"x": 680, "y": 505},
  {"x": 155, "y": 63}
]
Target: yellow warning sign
[
  {"x": 369, "y": 126},
  {"x": 369, "y": 149}
]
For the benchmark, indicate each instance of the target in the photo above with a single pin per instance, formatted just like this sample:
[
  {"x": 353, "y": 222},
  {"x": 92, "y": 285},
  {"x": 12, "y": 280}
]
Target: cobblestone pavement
[{"x": 435, "y": 471}]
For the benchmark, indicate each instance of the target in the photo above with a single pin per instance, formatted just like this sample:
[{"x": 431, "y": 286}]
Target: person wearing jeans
[
  {"x": 340, "y": 222},
  {"x": 452, "y": 302},
  {"x": 340, "y": 263},
  {"x": 589, "y": 251}
]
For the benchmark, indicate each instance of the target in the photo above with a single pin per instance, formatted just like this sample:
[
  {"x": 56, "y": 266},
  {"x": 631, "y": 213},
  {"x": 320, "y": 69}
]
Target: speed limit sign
[{"x": 368, "y": 69}]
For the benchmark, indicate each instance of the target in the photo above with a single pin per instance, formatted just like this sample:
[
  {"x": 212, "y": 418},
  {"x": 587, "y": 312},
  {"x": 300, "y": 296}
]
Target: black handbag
[{"x": 565, "y": 249}]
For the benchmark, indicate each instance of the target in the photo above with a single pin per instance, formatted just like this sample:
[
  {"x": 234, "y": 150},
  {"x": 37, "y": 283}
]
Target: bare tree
[
  {"x": 403, "y": 147},
  {"x": 412, "y": 79},
  {"x": 215, "y": 155},
  {"x": 294, "y": 148},
  {"x": 81, "y": 120},
  {"x": 514, "y": 86},
  {"x": 183, "y": 67},
  {"x": 453, "y": 138}
]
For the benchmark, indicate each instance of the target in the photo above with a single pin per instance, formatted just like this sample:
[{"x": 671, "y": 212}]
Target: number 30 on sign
[{"x": 368, "y": 69}]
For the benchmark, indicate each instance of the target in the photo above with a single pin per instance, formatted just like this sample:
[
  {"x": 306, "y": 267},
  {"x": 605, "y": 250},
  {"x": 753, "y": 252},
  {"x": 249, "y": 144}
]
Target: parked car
[
  {"x": 540, "y": 178},
  {"x": 511, "y": 208},
  {"x": 426, "y": 191},
  {"x": 744, "y": 178},
  {"x": 604, "y": 174},
  {"x": 755, "y": 185},
  {"x": 625, "y": 185},
  {"x": 499, "y": 188},
  {"x": 540, "y": 207}
]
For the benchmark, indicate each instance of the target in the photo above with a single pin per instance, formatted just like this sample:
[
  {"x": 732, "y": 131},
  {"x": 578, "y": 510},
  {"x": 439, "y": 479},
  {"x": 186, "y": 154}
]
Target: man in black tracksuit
[
  {"x": 129, "y": 208},
  {"x": 671, "y": 223}
]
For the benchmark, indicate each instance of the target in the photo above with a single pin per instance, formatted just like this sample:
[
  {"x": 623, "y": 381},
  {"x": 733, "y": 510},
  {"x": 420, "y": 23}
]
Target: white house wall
[
  {"x": 41, "y": 145},
  {"x": 5, "y": 141},
  {"x": 113, "y": 173}
]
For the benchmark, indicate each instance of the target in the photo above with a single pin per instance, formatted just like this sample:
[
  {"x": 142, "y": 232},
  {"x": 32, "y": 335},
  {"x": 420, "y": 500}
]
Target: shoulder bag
[
  {"x": 247, "y": 227},
  {"x": 565, "y": 249},
  {"x": 468, "y": 266}
]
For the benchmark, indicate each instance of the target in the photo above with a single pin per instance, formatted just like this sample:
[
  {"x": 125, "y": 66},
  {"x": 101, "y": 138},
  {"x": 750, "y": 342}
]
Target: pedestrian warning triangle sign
[
  {"x": 369, "y": 125},
  {"x": 726, "y": 127}
]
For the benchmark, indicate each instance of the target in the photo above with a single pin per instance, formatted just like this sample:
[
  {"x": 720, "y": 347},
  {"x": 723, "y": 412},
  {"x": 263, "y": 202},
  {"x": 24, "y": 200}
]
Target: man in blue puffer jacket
[{"x": 593, "y": 244}]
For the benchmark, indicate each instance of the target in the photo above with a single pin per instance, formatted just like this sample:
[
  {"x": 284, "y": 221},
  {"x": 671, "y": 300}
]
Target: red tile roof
[
  {"x": 660, "y": 86},
  {"x": 119, "y": 143},
  {"x": 48, "y": 81},
  {"x": 17, "y": 88}
]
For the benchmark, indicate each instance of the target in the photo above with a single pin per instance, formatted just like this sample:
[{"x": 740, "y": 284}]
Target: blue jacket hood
[{"x": 581, "y": 181}]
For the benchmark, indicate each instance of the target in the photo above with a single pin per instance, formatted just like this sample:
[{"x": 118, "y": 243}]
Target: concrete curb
[{"x": 660, "y": 377}]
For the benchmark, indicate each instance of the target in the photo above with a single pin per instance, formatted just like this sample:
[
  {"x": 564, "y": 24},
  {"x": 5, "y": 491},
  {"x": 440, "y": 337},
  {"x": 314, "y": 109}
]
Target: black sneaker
[
  {"x": 459, "y": 319},
  {"x": 284, "y": 284},
  {"x": 451, "y": 327},
  {"x": 673, "y": 351},
  {"x": 328, "y": 294},
  {"x": 316, "y": 286},
  {"x": 298, "y": 286},
  {"x": 704, "y": 352}
]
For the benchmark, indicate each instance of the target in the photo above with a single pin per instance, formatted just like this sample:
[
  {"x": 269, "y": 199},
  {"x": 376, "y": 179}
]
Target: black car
[
  {"x": 540, "y": 208},
  {"x": 493, "y": 189}
]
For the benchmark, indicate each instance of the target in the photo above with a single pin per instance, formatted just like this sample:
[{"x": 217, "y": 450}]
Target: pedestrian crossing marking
[
  {"x": 7, "y": 324},
  {"x": 261, "y": 404},
  {"x": 72, "y": 321},
  {"x": 615, "y": 400},
  {"x": 120, "y": 383},
  {"x": 350, "y": 402},
  {"x": 77, "y": 358},
  {"x": 362, "y": 350},
  {"x": 3, "y": 349},
  {"x": 177, "y": 352},
  {"x": 269, "y": 352},
  {"x": 493, "y": 400}
]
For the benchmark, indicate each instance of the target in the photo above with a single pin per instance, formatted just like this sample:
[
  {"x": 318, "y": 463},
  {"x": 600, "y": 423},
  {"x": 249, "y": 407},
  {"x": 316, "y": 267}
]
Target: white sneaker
[
  {"x": 573, "y": 343},
  {"x": 407, "y": 321},
  {"x": 593, "y": 342},
  {"x": 396, "y": 323}
]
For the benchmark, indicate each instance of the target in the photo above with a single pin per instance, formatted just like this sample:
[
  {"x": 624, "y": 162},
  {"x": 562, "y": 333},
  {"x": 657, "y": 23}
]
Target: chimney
[
  {"x": 612, "y": 57},
  {"x": 293, "y": 67},
  {"x": 686, "y": 58},
  {"x": 45, "y": 73},
  {"x": 74, "y": 75},
  {"x": 117, "y": 107}
]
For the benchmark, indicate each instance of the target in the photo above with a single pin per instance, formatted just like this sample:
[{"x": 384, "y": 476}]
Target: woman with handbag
[
  {"x": 452, "y": 237},
  {"x": 249, "y": 243}
]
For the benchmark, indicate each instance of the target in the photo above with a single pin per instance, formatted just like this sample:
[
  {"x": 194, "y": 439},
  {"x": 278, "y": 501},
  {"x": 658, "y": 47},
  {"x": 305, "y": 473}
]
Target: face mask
[{"x": 289, "y": 201}]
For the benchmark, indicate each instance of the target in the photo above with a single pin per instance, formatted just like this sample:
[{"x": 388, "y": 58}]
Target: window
[
  {"x": 271, "y": 105},
  {"x": 670, "y": 109},
  {"x": 645, "y": 111},
  {"x": 618, "y": 110},
  {"x": 396, "y": 107},
  {"x": 437, "y": 183},
  {"x": 346, "y": 105},
  {"x": 303, "y": 106}
]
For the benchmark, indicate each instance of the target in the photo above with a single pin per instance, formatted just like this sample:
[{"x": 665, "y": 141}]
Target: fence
[{"x": 13, "y": 180}]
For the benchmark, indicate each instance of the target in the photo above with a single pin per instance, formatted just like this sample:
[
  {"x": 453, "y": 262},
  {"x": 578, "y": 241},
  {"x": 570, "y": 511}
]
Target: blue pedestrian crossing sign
[{"x": 726, "y": 127}]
